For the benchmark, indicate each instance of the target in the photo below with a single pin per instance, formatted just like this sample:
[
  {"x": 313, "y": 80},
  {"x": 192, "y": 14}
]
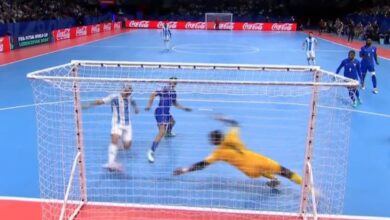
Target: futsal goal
[
  {"x": 297, "y": 115},
  {"x": 219, "y": 21}
]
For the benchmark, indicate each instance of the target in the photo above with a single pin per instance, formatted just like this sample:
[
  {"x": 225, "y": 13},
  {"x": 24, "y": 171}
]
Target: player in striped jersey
[
  {"x": 121, "y": 130},
  {"x": 310, "y": 45},
  {"x": 166, "y": 35}
]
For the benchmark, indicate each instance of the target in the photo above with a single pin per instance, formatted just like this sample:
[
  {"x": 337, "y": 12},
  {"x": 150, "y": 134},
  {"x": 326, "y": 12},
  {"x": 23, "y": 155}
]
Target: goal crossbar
[{"x": 338, "y": 80}]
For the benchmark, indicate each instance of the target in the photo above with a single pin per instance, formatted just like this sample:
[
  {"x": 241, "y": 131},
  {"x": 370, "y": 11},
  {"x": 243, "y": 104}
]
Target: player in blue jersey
[
  {"x": 166, "y": 35},
  {"x": 368, "y": 55},
  {"x": 352, "y": 70},
  {"x": 165, "y": 120},
  {"x": 121, "y": 129},
  {"x": 310, "y": 45}
]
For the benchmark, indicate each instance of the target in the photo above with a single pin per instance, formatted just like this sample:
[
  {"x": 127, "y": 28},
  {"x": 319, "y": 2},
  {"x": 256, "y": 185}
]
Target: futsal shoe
[
  {"x": 113, "y": 167},
  {"x": 151, "y": 156},
  {"x": 359, "y": 101},
  {"x": 170, "y": 134},
  {"x": 363, "y": 87},
  {"x": 375, "y": 91},
  {"x": 354, "y": 104},
  {"x": 273, "y": 183}
]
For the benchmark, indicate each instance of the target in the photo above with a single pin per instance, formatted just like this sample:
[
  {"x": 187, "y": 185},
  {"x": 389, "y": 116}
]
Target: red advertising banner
[
  {"x": 5, "y": 44},
  {"x": 71, "y": 33},
  {"x": 190, "y": 25}
]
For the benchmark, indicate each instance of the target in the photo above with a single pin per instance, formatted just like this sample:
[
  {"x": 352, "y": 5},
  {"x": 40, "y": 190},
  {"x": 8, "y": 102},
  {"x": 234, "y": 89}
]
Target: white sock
[{"x": 112, "y": 152}]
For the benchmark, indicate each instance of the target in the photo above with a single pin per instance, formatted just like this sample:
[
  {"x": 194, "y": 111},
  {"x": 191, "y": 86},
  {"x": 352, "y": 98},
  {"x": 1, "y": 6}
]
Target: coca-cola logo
[
  {"x": 107, "y": 27},
  {"x": 139, "y": 24},
  {"x": 171, "y": 24},
  {"x": 253, "y": 26},
  {"x": 81, "y": 31},
  {"x": 226, "y": 26},
  {"x": 281, "y": 27},
  {"x": 63, "y": 34},
  {"x": 95, "y": 29},
  {"x": 195, "y": 25},
  {"x": 117, "y": 25}
]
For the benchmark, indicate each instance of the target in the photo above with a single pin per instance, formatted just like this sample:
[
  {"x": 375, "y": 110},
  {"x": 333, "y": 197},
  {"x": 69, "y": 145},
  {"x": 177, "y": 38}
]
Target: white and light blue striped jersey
[
  {"x": 120, "y": 108},
  {"x": 310, "y": 43},
  {"x": 166, "y": 33}
]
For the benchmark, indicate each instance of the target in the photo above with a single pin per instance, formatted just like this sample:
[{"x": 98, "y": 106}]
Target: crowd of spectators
[
  {"x": 254, "y": 10},
  {"x": 355, "y": 30},
  {"x": 30, "y": 10}
]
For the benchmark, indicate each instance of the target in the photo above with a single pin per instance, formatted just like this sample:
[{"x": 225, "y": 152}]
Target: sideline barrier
[
  {"x": 190, "y": 25},
  {"x": 74, "y": 32},
  {"x": 5, "y": 44}
]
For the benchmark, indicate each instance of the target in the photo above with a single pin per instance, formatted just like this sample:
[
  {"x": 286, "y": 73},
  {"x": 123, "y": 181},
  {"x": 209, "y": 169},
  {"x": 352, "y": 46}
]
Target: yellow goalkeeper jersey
[{"x": 233, "y": 151}]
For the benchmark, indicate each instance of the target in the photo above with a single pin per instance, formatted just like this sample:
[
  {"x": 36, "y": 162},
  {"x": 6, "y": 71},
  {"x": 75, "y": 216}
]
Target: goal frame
[
  {"x": 307, "y": 191},
  {"x": 210, "y": 25}
]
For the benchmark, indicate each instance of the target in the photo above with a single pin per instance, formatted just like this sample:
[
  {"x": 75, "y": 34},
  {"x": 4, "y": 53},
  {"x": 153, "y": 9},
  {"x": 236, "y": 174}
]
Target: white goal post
[
  {"x": 297, "y": 115},
  {"x": 213, "y": 21}
]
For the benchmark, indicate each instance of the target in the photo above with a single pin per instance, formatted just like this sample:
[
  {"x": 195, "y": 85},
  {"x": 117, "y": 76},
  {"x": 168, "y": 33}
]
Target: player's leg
[
  {"x": 166, "y": 43},
  {"x": 269, "y": 168},
  {"x": 308, "y": 57},
  {"x": 313, "y": 57},
  {"x": 351, "y": 93},
  {"x": 373, "y": 78},
  {"x": 284, "y": 172},
  {"x": 127, "y": 137},
  {"x": 161, "y": 132},
  {"x": 364, "y": 73},
  {"x": 112, "y": 165},
  {"x": 357, "y": 95},
  {"x": 170, "y": 126}
]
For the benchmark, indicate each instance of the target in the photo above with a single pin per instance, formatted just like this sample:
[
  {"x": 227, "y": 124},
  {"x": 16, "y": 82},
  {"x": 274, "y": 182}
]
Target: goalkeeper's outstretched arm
[
  {"x": 197, "y": 166},
  {"x": 228, "y": 121}
]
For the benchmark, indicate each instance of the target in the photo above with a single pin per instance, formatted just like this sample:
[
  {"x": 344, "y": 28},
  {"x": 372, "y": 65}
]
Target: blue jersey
[
  {"x": 368, "y": 55},
  {"x": 351, "y": 69},
  {"x": 167, "y": 99},
  {"x": 120, "y": 108},
  {"x": 166, "y": 33}
]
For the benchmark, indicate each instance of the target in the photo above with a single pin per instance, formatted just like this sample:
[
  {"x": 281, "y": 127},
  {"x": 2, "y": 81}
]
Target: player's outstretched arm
[
  {"x": 179, "y": 106},
  {"x": 197, "y": 166},
  {"x": 135, "y": 107},
  {"x": 150, "y": 102},
  {"x": 91, "y": 104},
  {"x": 376, "y": 58},
  {"x": 341, "y": 66},
  {"x": 228, "y": 121}
]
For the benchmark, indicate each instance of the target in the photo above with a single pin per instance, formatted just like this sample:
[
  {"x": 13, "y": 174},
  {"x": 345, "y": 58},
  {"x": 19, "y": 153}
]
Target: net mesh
[
  {"x": 273, "y": 118},
  {"x": 213, "y": 18}
]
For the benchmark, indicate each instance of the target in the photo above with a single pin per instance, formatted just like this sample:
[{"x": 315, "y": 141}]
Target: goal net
[
  {"x": 297, "y": 116},
  {"x": 219, "y": 21}
]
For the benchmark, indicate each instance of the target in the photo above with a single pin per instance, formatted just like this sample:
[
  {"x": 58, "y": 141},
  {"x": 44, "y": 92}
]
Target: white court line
[
  {"x": 208, "y": 48},
  {"x": 152, "y": 206},
  {"x": 186, "y": 48},
  {"x": 59, "y": 50},
  {"x": 383, "y": 115}
]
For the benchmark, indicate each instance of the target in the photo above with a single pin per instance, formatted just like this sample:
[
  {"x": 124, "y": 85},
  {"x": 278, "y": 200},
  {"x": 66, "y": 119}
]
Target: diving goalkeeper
[{"x": 232, "y": 150}]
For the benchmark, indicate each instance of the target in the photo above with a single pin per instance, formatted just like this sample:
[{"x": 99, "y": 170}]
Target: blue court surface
[{"x": 368, "y": 175}]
